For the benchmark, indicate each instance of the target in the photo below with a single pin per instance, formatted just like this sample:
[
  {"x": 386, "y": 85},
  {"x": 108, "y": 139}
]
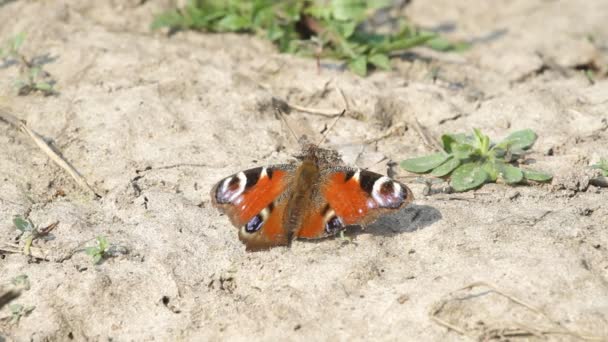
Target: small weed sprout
[
  {"x": 29, "y": 232},
  {"x": 100, "y": 250},
  {"x": 19, "y": 311},
  {"x": 21, "y": 281},
  {"x": 103, "y": 250},
  {"x": 32, "y": 76},
  {"x": 318, "y": 28},
  {"x": 472, "y": 160},
  {"x": 602, "y": 165}
]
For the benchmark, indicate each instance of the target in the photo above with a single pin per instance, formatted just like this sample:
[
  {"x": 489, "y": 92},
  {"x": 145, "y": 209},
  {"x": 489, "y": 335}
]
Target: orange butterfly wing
[
  {"x": 255, "y": 200},
  {"x": 352, "y": 197}
]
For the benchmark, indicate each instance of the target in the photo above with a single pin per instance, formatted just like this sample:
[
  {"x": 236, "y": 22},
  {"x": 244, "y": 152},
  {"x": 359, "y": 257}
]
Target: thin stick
[
  {"x": 8, "y": 297},
  {"x": 62, "y": 163},
  {"x": 322, "y": 112},
  {"x": 34, "y": 252},
  {"x": 450, "y": 326},
  {"x": 344, "y": 100},
  {"x": 295, "y": 137},
  {"x": 508, "y": 296},
  {"x": 430, "y": 143},
  {"x": 331, "y": 127}
]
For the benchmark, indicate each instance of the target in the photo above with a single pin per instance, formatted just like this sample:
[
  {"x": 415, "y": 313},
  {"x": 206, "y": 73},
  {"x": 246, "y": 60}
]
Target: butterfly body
[{"x": 318, "y": 198}]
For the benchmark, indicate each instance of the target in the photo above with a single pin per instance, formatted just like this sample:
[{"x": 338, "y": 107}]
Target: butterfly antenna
[
  {"x": 331, "y": 127},
  {"x": 282, "y": 116}
]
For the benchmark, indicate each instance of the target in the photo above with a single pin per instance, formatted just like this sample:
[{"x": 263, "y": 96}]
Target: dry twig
[
  {"x": 322, "y": 112},
  {"x": 34, "y": 252},
  {"x": 39, "y": 141},
  {"x": 426, "y": 139}
]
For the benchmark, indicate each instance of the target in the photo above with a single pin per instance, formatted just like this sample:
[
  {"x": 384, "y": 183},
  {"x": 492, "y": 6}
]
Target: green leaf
[
  {"x": 234, "y": 22},
  {"x": 15, "y": 308},
  {"x": 519, "y": 140},
  {"x": 404, "y": 43},
  {"x": 97, "y": 258},
  {"x": 377, "y": 4},
  {"x": 381, "y": 61},
  {"x": 22, "y": 281},
  {"x": 449, "y": 139},
  {"x": 426, "y": 163},
  {"x": 346, "y": 29},
  {"x": 22, "y": 224},
  {"x": 490, "y": 167},
  {"x": 348, "y": 9},
  {"x": 446, "y": 167},
  {"x": 442, "y": 44},
  {"x": 171, "y": 19},
  {"x": 468, "y": 176},
  {"x": 538, "y": 176},
  {"x": 358, "y": 65},
  {"x": 44, "y": 86},
  {"x": 509, "y": 173},
  {"x": 602, "y": 166},
  {"x": 102, "y": 243},
  {"x": 462, "y": 151},
  {"x": 319, "y": 11},
  {"x": 275, "y": 33},
  {"x": 482, "y": 141},
  {"x": 91, "y": 251},
  {"x": 34, "y": 71}
]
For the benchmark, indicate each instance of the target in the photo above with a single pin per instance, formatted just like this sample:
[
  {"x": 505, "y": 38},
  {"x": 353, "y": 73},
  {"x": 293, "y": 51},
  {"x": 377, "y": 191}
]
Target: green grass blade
[{"x": 425, "y": 163}]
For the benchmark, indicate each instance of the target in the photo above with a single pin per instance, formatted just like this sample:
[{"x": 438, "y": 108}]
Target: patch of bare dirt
[{"x": 152, "y": 122}]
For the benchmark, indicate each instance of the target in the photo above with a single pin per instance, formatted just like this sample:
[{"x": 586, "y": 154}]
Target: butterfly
[{"x": 318, "y": 198}]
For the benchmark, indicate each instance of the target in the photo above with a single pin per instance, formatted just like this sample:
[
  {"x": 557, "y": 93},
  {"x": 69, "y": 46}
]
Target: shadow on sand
[{"x": 411, "y": 218}]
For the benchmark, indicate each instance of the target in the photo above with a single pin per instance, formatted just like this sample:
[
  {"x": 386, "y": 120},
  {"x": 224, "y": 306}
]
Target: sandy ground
[{"x": 153, "y": 122}]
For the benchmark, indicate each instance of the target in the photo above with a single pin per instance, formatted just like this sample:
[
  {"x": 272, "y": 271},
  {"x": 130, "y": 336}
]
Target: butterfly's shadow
[{"x": 409, "y": 219}]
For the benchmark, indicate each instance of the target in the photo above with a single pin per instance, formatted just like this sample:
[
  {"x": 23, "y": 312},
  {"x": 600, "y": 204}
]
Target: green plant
[
  {"x": 100, "y": 250},
  {"x": 32, "y": 76},
  {"x": 472, "y": 160},
  {"x": 18, "y": 311},
  {"x": 602, "y": 165},
  {"x": 29, "y": 232},
  {"x": 319, "y": 28},
  {"x": 21, "y": 281}
]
